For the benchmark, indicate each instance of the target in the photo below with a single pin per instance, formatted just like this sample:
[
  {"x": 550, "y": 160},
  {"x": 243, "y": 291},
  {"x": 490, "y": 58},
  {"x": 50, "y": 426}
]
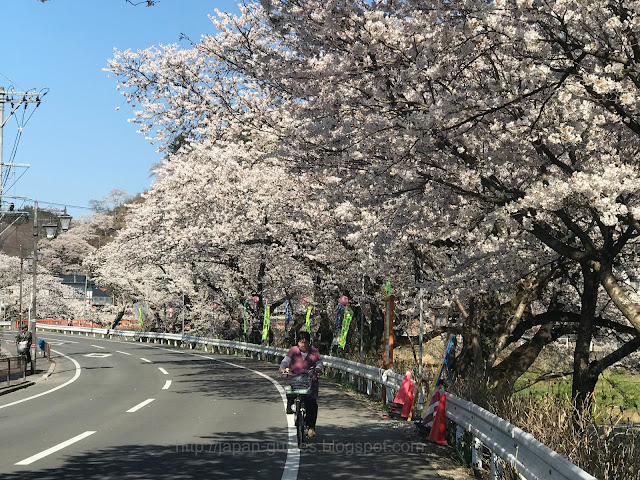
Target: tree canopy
[{"x": 483, "y": 151}]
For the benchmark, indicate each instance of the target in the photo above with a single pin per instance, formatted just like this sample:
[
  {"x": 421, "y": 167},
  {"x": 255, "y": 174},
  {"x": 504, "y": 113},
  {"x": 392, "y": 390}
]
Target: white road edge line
[
  {"x": 163, "y": 370},
  {"x": 292, "y": 463},
  {"x": 123, "y": 353},
  {"x": 75, "y": 377},
  {"x": 145, "y": 360},
  {"x": 167, "y": 384},
  {"x": 54, "y": 449},
  {"x": 140, "y": 405}
]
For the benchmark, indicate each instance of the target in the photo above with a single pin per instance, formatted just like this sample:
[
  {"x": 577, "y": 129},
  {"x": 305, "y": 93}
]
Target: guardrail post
[
  {"x": 476, "y": 454},
  {"x": 459, "y": 436},
  {"x": 369, "y": 387},
  {"x": 8, "y": 371},
  {"x": 496, "y": 467}
]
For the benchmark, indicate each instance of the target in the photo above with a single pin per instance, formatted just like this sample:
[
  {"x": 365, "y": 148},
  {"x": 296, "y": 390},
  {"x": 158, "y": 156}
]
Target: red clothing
[{"x": 300, "y": 365}]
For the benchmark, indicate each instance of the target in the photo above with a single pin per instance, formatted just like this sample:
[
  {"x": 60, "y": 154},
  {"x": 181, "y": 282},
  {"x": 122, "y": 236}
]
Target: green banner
[
  {"x": 140, "y": 317},
  {"x": 387, "y": 289},
  {"x": 266, "y": 323},
  {"x": 342, "y": 339},
  {"x": 307, "y": 325}
]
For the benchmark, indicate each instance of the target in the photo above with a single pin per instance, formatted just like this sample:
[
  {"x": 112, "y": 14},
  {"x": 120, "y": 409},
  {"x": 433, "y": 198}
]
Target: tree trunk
[
  {"x": 116, "y": 321},
  {"x": 584, "y": 380},
  {"x": 505, "y": 374},
  {"x": 471, "y": 362}
]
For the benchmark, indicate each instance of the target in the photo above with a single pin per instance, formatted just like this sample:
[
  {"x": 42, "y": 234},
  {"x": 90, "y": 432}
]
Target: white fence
[{"x": 531, "y": 459}]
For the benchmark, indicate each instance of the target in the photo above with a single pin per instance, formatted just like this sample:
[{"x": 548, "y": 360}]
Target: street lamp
[{"x": 50, "y": 231}]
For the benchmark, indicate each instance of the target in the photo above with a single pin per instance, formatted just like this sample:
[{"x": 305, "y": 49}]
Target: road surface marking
[
  {"x": 292, "y": 462},
  {"x": 167, "y": 384},
  {"x": 145, "y": 360},
  {"x": 75, "y": 377},
  {"x": 140, "y": 405},
  {"x": 124, "y": 353},
  {"x": 98, "y": 355},
  {"x": 98, "y": 346},
  {"x": 54, "y": 449},
  {"x": 163, "y": 370}
]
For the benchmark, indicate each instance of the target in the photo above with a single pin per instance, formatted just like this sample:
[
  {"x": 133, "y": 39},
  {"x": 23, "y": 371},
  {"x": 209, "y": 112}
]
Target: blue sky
[{"x": 78, "y": 145}]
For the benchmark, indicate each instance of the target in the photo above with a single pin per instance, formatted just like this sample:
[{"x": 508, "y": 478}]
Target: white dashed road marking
[
  {"x": 140, "y": 405},
  {"x": 54, "y": 449}
]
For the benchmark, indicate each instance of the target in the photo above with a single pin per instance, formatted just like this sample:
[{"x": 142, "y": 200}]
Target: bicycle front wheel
[{"x": 299, "y": 423}]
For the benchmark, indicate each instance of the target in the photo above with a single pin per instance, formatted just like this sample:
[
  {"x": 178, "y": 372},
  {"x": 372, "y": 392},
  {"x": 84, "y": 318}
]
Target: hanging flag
[
  {"x": 345, "y": 328},
  {"x": 387, "y": 289},
  {"x": 267, "y": 321},
  {"x": 140, "y": 317},
  {"x": 287, "y": 318},
  {"x": 307, "y": 324},
  {"x": 338, "y": 324}
]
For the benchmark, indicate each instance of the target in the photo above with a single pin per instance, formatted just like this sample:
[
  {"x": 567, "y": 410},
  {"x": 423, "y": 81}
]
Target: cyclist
[{"x": 301, "y": 359}]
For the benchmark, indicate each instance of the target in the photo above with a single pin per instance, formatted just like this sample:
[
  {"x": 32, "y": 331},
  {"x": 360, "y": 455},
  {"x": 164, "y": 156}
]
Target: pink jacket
[{"x": 298, "y": 365}]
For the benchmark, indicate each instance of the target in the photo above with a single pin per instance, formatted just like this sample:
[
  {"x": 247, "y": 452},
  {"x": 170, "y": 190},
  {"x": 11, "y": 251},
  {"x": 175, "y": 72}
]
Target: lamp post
[{"x": 50, "y": 231}]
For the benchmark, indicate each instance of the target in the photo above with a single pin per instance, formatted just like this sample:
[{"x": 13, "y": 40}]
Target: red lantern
[
  {"x": 344, "y": 301},
  {"x": 255, "y": 299},
  {"x": 303, "y": 301},
  {"x": 215, "y": 306}
]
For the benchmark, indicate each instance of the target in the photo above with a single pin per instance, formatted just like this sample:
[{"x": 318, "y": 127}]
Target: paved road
[{"x": 132, "y": 411}]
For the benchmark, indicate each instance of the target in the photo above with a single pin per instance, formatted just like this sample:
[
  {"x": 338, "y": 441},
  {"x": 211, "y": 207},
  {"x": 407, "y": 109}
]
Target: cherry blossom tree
[
  {"x": 53, "y": 300},
  {"x": 491, "y": 146}
]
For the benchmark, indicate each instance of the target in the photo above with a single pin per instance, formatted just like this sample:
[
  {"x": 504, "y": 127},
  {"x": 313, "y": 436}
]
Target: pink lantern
[
  {"x": 215, "y": 306},
  {"x": 344, "y": 301},
  {"x": 170, "y": 310},
  {"x": 303, "y": 301},
  {"x": 255, "y": 299}
]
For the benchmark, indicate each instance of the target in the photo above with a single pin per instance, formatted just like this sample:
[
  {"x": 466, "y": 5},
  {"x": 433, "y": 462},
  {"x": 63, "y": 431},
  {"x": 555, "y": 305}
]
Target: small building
[{"x": 94, "y": 294}]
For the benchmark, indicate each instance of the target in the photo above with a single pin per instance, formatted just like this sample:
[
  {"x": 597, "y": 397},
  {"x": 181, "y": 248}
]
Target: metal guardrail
[
  {"x": 12, "y": 369},
  {"x": 531, "y": 459}
]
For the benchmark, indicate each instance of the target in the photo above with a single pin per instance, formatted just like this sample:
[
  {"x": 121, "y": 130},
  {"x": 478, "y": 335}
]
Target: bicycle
[{"x": 300, "y": 386}]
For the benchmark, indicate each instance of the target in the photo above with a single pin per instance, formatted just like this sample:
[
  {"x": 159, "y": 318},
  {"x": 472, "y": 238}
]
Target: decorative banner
[
  {"x": 307, "y": 324},
  {"x": 266, "y": 323},
  {"x": 387, "y": 288},
  {"x": 140, "y": 317},
  {"x": 342, "y": 341},
  {"x": 338, "y": 324},
  {"x": 287, "y": 318},
  {"x": 244, "y": 317}
]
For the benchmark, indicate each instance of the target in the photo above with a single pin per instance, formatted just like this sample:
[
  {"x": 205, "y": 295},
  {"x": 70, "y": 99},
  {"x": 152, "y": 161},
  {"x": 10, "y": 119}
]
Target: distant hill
[{"x": 15, "y": 236}]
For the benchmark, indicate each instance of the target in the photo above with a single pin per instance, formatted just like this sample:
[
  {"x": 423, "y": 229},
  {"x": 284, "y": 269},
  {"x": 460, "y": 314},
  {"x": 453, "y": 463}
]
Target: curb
[
  {"x": 52, "y": 367},
  {"x": 13, "y": 388}
]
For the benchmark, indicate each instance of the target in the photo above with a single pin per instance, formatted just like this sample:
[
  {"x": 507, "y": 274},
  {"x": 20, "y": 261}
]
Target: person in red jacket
[{"x": 299, "y": 360}]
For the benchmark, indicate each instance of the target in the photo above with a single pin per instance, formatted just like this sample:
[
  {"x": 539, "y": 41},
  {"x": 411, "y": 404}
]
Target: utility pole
[
  {"x": 32, "y": 319},
  {"x": 16, "y": 100},
  {"x": 21, "y": 263}
]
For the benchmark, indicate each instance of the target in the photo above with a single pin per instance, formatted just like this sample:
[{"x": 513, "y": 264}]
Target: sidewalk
[
  {"x": 352, "y": 432},
  {"x": 44, "y": 368}
]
